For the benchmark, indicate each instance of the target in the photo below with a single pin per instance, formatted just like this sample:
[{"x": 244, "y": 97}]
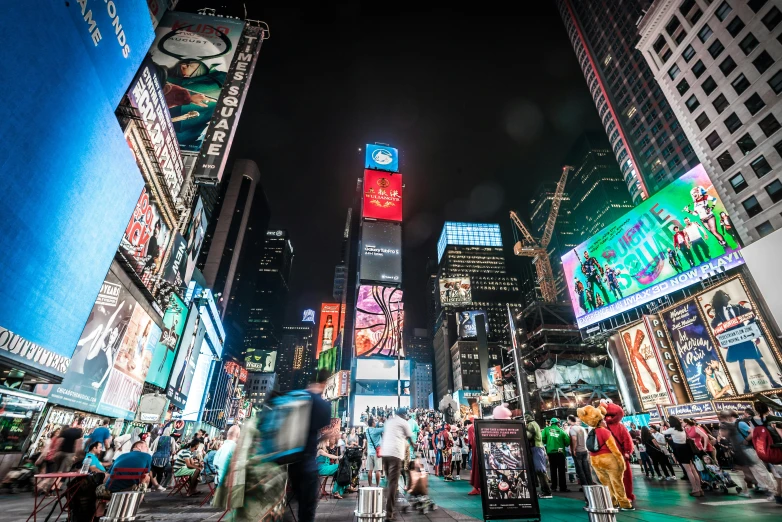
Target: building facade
[
  {"x": 421, "y": 384},
  {"x": 719, "y": 66},
  {"x": 258, "y": 386},
  {"x": 644, "y": 134},
  {"x": 418, "y": 347},
  {"x": 296, "y": 358}
]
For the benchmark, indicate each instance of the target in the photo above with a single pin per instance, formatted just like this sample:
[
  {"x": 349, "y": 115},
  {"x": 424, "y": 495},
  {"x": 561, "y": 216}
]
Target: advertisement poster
[
  {"x": 455, "y": 291},
  {"x": 664, "y": 244},
  {"x": 174, "y": 268},
  {"x": 647, "y": 375},
  {"x": 164, "y": 353},
  {"x": 194, "y": 53},
  {"x": 382, "y": 195},
  {"x": 379, "y": 321},
  {"x": 260, "y": 361},
  {"x": 381, "y": 252},
  {"x": 195, "y": 238},
  {"x": 18, "y": 414},
  {"x": 741, "y": 337},
  {"x": 186, "y": 359},
  {"x": 145, "y": 239},
  {"x": 381, "y": 157},
  {"x": 507, "y": 477},
  {"x": 131, "y": 363},
  {"x": 666, "y": 354},
  {"x": 698, "y": 358},
  {"x": 327, "y": 329},
  {"x": 466, "y": 323}
]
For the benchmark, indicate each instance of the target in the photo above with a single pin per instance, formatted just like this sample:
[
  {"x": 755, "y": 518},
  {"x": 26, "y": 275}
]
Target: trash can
[
  {"x": 123, "y": 507},
  {"x": 370, "y": 505},
  {"x": 599, "y": 504}
]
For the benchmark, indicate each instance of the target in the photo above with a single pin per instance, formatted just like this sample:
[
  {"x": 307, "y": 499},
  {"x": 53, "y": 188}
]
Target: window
[
  {"x": 774, "y": 190},
  {"x": 698, "y": 69},
  {"x": 674, "y": 162},
  {"x": 709, "y": 85},
  {"x": 732, "y": 122},
  {"x": 772, "y": 18},
  {"x": 692, "y": 103},
  {"x": 674, "y": 71},
  {"x": 752, "y": 206},
  {"x": 738, "y": 183},
  {"x": 725, "y": 160},
  {"x": 746, "y": 144},
  {"x": 754, "y": 103},
  {"x": 659, "y": 44},
  {"x": 735, "y": 26},
  {"x": 672, "y": 26},
  {"x": 769, "y": 125},
  {"x": 763, "y": 62},
  {"x": 764, "y": 228},
  {"x": 760, "y": 166},
  {"x": 749, "y": 43},
  {"x": 683, "y": 87},
  {"x": 713, "y": 140},
  {"x": 688, "y": 53},
  {"x": 778, "y": 147},
  {"x": 756, "y": 5},
  {"x": 720, "y": 103},
  {"x": 776, "y": 82},
  {"x": 681, "y": 138},
  {"x": 702, "y": 121},
  {"x": 740, "y": 84},
  {"x": 727, "y": 66},
  {"x": 668, "y": 115},
  {"x": 716, "y": 48},
  {"x": 705, "y": 33},
  {"x": 723, "y": 11}
]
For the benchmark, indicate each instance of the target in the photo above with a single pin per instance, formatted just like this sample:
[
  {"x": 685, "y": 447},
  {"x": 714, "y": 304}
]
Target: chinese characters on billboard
[
  {"x": 163, "y": 357},
  {"x": 382, "y": 195},
  {"x": 665, "y": 243},
  {"x": 381, "y": 157},
  {"x": 379, "y": 321},
  {"x": 455, "y": 291},
  {"x": 381, "y": 252},
  {"x": 144, "y": 243}
]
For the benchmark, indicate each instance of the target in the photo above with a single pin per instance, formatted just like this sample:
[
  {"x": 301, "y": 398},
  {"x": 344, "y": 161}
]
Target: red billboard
[
  {"x": 382, "y": 195},
  {"x": 327, "y": 330}
]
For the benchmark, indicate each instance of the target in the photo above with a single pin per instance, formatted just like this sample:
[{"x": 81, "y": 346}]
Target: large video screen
[
  {"x": 327, "y": 331},
  {"x": 647, "y": 372},
  {"x": 455, "y": 291},
  {"x": 362, "y": 402},
  {"x": 381, "y": 370},
  {"x": 195, "y": 238},
  {"x": 381, "y": 157},
  {"x": 193, "y": 53},
  {"x": 186, "y": 359},
  {"x": 165, "y": 352},
  {"x": 261, "y": 361},
  {"x": 379, "y": 321},
  {"x": 663, "y": 244},
  {"x": 382, "y": 195},
  {"x": 381, "y": 252}
]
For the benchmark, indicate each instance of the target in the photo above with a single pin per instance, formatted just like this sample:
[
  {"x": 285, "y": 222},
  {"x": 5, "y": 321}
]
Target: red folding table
[{"x": 62, "y": 499}]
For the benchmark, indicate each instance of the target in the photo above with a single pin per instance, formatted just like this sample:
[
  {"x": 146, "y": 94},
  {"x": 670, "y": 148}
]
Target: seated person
[
  {"x": 210, "y": 471},
  {"x": 327, "y": 469},
  {"x": 137, "y": 458},
  {"x": 222, "y": 460},
  {"x": 187, "y": 465},
  {"x": 93, "y": 456}
]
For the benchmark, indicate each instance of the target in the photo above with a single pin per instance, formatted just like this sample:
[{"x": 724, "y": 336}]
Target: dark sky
[{"x": 481, "y": 106}]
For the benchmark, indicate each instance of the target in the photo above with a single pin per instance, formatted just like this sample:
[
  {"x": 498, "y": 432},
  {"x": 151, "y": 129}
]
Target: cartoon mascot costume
[
  {"x": 613, "y": 414},
  {"x": 607, "y": 461}
]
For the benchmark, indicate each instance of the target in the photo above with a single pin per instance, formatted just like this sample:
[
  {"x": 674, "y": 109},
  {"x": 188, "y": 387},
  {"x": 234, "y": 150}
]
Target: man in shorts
[
  {"x": 187, "y": 465},
  {"x": 374, "y": 437}
]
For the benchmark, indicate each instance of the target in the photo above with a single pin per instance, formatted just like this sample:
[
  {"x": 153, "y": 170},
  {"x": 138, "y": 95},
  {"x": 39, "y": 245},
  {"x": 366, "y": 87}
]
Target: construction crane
[{"x": 529, "y": 247}]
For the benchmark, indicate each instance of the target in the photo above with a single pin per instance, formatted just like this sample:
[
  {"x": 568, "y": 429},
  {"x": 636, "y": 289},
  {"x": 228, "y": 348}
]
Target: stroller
[
  {"x": 713, "y": 478},
  {"x": 418, "y": 490},
  {"x": 20, "y": 478},
  {"x": 353, "y": 457}
]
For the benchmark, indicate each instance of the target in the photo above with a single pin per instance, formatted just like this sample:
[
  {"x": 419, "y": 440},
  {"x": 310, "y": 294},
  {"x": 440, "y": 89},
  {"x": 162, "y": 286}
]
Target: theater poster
[
  {"x": 507, "y": 477},
  {"x": 648, "y": 376}
]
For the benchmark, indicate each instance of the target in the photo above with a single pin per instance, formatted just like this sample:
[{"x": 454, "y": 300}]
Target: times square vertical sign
[{"x": 214, "y": 151}]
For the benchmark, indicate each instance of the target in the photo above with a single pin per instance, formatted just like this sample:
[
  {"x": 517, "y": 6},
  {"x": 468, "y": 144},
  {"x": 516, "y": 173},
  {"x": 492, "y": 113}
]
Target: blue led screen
[
  {"x": 381, "y": 157},
  {"x": 69, "y": 178},
  {"x": 468, "y": 234}
]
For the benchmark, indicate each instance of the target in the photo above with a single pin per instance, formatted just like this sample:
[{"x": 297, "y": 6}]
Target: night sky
[{"x": 482, "y": 107}]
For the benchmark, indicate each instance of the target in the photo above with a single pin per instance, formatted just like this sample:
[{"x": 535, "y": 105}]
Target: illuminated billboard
[
  {"x": 382, "y": 195},
  {"x": 337, "y": 386},
  {"x": 455, "y": 291},
  {"x": 165, "y": 352},
  {"x": 145, "y": 239},
  {"x": 186, "y": 359},
  {"x": 194, "y": 53},
  {"x": 467, "y": 326},
  {"x": 381, "y": 252},
  {"x": 379, "y": 321},
  {"x": 327, "y": 335},
  {"x": 468, "y": 234},
  {"x": 364, "y": 403},
  {"x": 195, "y": 238},
  {"x": 381, "y": 157},
  {"x": 666, "y": 243},
  {"x": 647, "y": 374},
  {"x": 261, "y": 361},
  {"x": 381, "y": 370},
  {"x": 176, "y": 261}
]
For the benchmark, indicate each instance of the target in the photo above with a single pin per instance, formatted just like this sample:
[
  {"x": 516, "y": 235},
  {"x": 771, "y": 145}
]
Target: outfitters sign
[
  {"x": 666, "y": 243},
  {"x": 382, "y": 195},
  {"x": 381, "y": 252}
]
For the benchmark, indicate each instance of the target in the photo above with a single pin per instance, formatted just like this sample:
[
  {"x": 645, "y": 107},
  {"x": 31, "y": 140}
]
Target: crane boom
[
  {"x": 548, "y": 231},
  {"x": 527, "y": 236}
]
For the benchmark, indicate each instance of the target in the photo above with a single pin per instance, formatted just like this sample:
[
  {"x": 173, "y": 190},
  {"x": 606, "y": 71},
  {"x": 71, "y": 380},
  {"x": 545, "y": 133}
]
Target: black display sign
[
  {"x": 381, "y": 252},
  {"x": 507, "y": 480}
]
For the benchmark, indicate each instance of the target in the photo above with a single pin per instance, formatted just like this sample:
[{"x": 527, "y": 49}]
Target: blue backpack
[{"x": 284, "y": 424}]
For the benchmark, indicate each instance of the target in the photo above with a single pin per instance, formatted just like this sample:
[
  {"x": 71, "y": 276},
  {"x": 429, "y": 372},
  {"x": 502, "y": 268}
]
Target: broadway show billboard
[
  {"x": 647, "y": 375},
  {"x": 145, "y": 239},
  {"x": 382, "y": 195},
  {"x": 455, "y": 291},
  {"x": 176, "y": 262},
  {"x": 381, "y": 157},
  {"x": 742, "y": 337},
  {"x": 186, "y": 359},
  {"x": 664, "y": 244},
  {"x": 379, "y": 321},
  {"x": 467, "y": 327},
  {"x": 193, "y": 53},
  {"x": 261, "y": 361},
  {"x": 381, "y": 252},
  {"x": 163, "y": 357}
]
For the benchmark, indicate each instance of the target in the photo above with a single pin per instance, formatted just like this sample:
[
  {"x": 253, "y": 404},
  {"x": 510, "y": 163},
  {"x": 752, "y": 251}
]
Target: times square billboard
[
  {"x": 379, "y": 321},
  {"x": 381, "y": 157},
  {"x": 667, "y": 242},
  {"x": 382, "y": 196},
  {"x": 381, "y": 252},
  {"x": 65, "y": 164}
]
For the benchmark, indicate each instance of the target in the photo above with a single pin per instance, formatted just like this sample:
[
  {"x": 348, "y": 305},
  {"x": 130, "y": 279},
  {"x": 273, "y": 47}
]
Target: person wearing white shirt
[
  {"x": 684, "y": 454},
  {"x": 697, "y": 235},
  {"x": 396, "y": 435}
]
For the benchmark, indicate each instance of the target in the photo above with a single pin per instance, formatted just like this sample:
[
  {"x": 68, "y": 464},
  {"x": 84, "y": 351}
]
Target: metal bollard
[
  {"x": 123, "y": 506},
  {"x": 370, "y": 505},
  {"x": 599, "y": 504}
]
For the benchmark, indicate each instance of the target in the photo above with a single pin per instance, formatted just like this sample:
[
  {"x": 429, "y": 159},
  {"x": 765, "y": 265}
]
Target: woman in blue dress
[{"x": 327, "y": 469}]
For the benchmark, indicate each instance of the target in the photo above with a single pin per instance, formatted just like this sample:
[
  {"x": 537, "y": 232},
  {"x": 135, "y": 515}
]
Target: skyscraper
[
  {"x": 418, "y": 347},
  {"x": 645, "y": 136},
  {"x": 296, "y": 358}
]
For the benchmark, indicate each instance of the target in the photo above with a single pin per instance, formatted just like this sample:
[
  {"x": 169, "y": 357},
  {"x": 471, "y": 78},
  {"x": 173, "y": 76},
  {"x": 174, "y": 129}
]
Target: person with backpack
[
  {"x": 579, "y": 452},
  {"x": 535, "y": 438},
  {"x": 161, "y": 456},
  {"x": 556, "y": 440},
  {"x": 374, "y": 439},
  {"x": 768, "y": 443},
  {"x": 764, "y": 482}
]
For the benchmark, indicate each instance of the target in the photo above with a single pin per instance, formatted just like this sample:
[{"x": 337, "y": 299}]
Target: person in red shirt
[{"x": 682, "y": 242}]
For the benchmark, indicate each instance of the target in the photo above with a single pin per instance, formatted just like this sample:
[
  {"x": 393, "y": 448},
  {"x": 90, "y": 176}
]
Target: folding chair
[
  {"x": 211, "y": 485},
  {"x": 324, "y": 482},
  {"x": 180, "y": 483},
  {"x": 135, "y": 474}
]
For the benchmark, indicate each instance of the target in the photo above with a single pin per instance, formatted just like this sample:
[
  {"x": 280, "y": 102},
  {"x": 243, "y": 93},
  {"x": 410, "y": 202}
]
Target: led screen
[
  {"x": 468, "y": 234},
  {"x": 195, "y": 399},
  {"x": 186, "y": 359},
  {"x": 176, "y": 262},
  {"x": 379, "y": 321},
  {"x": 328, "y": 329},
  {"x": 165, "y": 352},
  {"x": 381, "y": 252},
  {"x": 195, "y": 238},
  {"x": 261, "y": 361},
  {"x": 362, "y": 402},
  {"x": 455, "y": 291},
  {"x": 382, "y": 195},
  {"x": 665, "y": 243},
  {"x": 381, "y": 370},
  {"x": 467, "y": 325},
  {"x": 194, "y": 52},
  {"x": 145, "y": 239},
  {"x": 381, "y": 157}
]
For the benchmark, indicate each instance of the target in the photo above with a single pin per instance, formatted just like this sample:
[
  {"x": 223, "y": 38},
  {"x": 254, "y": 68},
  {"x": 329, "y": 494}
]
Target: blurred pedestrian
[{"x": 396, "y": 435}]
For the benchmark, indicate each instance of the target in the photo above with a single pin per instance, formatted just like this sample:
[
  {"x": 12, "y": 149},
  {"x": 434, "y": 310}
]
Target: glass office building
[{"x": 468, "y": 234}]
